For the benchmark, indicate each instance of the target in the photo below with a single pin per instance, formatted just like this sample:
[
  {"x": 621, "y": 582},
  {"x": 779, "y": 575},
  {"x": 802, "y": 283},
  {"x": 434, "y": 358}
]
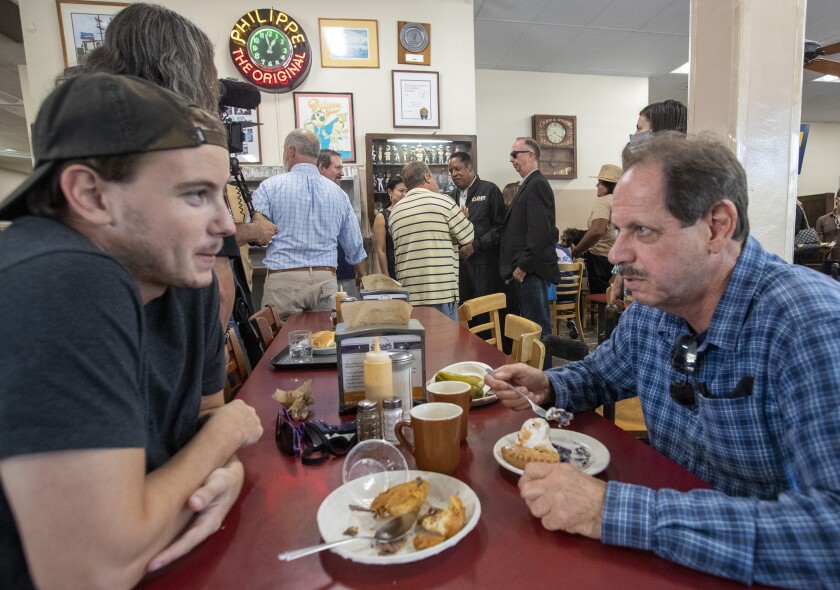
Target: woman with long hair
[
  {"x": 382, "y": 240},
  {"x": 161, "y": 46}
]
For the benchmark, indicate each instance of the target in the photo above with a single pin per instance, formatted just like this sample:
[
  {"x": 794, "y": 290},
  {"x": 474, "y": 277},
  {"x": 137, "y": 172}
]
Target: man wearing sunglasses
[
  {"x": 528, "y": 260},
  {"x": 116, "y": 453},
  {"x": 732, "y": 352}
]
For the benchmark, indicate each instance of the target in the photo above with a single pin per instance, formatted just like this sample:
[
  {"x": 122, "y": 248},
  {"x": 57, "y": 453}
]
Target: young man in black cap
[{"x": 111, "y": 339}]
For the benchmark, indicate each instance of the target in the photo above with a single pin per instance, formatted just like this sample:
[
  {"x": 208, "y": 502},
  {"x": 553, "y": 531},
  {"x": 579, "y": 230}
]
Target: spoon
[
  {"x": 393, "y": 530},
  {"x": 561, "y": 416}
]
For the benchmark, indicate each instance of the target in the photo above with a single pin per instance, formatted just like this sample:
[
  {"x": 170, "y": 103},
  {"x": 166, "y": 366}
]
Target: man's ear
[
  {"x": 722, "y": 219},
  {"x": 82, "y": 187}
]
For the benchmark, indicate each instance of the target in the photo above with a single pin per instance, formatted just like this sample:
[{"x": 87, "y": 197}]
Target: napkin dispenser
[
  {"x": 383, "y": 294},
  {"x": 351, "y": 345}
]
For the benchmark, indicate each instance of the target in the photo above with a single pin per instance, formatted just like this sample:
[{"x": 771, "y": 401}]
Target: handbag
[{"x": 806, "y": 240}]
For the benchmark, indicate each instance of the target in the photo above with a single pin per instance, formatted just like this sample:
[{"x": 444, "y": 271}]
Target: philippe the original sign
[{"x": 270, "y": 49}]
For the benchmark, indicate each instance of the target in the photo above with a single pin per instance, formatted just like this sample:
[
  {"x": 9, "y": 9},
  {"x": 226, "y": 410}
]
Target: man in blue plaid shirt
[{"x": 732, "y": 352}]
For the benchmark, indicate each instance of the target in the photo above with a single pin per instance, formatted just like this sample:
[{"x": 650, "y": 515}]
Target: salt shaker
[
  {"x": 391, "y": 414},
  {"x": 368, "y": 425},
  {"x": 401, "y": 362}
]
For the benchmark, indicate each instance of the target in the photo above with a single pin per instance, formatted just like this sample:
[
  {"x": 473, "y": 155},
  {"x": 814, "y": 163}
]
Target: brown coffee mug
[
  {"x": 437, "y": 431},
  {"x": 452, "y": 392}
]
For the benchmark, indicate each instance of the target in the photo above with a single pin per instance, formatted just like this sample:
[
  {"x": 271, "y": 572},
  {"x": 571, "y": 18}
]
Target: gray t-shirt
[{"x": 85, "y": 365}]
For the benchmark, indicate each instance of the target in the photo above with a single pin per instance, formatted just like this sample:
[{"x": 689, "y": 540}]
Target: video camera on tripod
[{"x": 241, "y": 95}]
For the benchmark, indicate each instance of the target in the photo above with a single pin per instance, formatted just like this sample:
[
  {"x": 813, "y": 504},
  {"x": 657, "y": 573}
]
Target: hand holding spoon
[{"x": 561, "y": 416}]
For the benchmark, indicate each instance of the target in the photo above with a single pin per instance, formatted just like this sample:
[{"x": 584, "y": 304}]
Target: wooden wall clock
[{"x": 557, "y": 138}]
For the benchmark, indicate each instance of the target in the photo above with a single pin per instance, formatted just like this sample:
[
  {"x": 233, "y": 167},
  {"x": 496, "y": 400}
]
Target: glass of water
[{"x": 300, "y": 346}]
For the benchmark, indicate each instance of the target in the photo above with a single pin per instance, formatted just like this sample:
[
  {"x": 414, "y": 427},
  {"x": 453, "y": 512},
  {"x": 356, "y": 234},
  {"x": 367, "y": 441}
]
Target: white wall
[
  {"x": 495, "y": 105},
  {"x": 606, "y": 109},
  {"x": 452, "y": 55},
  {"x": 821, "y": 166},
  {"x": 9, "y": 180}
]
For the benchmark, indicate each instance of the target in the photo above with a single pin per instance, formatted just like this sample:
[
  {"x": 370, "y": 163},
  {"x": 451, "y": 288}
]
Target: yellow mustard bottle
[
  {"x": 338, "y": 297},
  {"x": 378, "y": 378}
]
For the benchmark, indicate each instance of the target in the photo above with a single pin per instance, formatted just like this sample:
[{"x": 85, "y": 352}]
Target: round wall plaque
[{"x": 413, "y": 37}]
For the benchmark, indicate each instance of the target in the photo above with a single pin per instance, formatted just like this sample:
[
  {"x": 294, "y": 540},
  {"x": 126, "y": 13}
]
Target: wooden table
[{"x": 280, "y": 498}]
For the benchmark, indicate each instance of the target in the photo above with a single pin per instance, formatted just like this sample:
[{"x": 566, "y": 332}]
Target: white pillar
[{"x": 745, "y": 84}]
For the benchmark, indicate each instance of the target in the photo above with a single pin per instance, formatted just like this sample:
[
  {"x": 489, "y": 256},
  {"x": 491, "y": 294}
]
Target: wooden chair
[
  {"x": 568, "y": 289},
  {"x": 523, "y": 333},
  {"x": 537, "y": 355},
  {"x": 237, "y": 369},
  {"x": 489, "y": 304},
  {"x": 265, "y": 323}
]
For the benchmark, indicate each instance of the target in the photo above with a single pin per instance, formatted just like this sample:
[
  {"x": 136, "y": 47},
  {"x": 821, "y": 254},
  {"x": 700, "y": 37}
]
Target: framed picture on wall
[
  {"x": 349, "y": 43},
  {"x": 329, "y": 115},
  {"x": 82, "y": 26},
  {"x": 249, "y": 120},
  {"x": 416, "y": 99}
]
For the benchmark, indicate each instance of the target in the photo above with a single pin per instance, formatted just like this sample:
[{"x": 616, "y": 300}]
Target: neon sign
[{"x": 271, "y": 50}]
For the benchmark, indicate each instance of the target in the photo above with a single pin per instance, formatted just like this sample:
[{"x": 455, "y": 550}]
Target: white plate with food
[
  {"x": 471, "y": 369},
  {"x": 595, "y": 462},
  {"x": 323, "y": 343},
  {"x": 335, "y": 519}
]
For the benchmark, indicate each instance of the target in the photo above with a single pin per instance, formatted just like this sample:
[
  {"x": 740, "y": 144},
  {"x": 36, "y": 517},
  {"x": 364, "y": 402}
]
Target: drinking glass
[{"x": 300, "y": 346}]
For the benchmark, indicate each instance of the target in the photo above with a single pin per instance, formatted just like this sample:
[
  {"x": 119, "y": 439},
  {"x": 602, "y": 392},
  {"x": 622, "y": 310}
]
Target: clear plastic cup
[{"x": 372, "y": 467}]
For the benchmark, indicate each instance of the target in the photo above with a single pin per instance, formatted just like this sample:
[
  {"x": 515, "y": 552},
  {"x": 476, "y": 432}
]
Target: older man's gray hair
[
  {"x": 414, "y": 174},
  {"x": 697, "y": 173},
  {"x": 305, "y": 142}
]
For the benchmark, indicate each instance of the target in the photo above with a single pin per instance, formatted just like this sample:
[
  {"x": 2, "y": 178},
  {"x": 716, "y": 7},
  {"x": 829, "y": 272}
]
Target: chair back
[
  {"x": 488, "y": 304},
  {"x": 537, "y": 355},
  {"x": 567, "y": 306},
  {"x": 237, "y": 369},
  {"x": 522, "y": 332},
  {"x": 265, "y": 323}
]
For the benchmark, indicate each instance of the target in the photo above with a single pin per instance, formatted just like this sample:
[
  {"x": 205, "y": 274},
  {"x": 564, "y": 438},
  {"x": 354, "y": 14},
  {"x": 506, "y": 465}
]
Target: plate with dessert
[
  {"x": 323, "y": 342},
  {"x": 471, "y": 372},
  {"x": 537, "y": 442},
  {"x": 448, "y": 511}
]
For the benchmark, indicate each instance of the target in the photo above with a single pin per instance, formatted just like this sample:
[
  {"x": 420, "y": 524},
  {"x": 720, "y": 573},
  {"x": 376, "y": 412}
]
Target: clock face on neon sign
[{"x": 270, "y": 49}]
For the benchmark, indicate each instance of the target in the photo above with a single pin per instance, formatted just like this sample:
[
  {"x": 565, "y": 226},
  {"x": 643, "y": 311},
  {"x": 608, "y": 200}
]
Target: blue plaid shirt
[
  {"x": 773, "y": 456},
  {"x": 313, "y": 216}
]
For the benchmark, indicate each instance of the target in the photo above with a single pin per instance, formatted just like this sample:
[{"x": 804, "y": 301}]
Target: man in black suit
[
  {"x": 528, "y": 260},
  {"x": 486, "y": 211}
]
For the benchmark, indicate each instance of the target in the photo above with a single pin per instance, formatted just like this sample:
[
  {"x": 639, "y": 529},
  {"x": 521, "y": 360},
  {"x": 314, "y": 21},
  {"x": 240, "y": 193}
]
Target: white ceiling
[{"x": 647, "y": 38}]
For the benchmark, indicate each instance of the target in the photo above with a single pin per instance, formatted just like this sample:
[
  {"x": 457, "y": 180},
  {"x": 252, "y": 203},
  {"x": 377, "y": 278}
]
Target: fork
[
  {"x": 537, "y": 409},
  {"x": 561, "y": 416}
]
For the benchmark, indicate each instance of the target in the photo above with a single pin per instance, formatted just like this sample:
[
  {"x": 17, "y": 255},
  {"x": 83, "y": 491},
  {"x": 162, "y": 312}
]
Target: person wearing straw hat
[{"x": 600, "y": 234}]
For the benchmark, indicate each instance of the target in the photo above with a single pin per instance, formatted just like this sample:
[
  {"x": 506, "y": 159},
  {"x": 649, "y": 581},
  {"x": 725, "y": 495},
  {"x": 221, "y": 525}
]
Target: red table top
[{"x": 280, "y": 498}]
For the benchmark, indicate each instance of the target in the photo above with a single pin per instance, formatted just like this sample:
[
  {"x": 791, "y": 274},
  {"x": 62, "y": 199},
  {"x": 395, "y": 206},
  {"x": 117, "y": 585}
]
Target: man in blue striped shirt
[
  {"x": 313, "y": 216},
  {"x": 732, "y": 353}
]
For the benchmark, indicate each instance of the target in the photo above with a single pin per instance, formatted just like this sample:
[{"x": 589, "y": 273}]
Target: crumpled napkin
[{"x": 297, "y": 401}]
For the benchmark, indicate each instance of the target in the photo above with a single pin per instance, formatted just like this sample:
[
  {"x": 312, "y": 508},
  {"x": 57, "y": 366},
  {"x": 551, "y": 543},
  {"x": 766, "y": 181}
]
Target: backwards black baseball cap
[{"x": 106, "y": 115}]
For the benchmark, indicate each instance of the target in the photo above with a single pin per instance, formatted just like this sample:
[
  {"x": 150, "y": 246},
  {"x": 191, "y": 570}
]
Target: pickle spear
[{"x": 475, "y": 382}]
